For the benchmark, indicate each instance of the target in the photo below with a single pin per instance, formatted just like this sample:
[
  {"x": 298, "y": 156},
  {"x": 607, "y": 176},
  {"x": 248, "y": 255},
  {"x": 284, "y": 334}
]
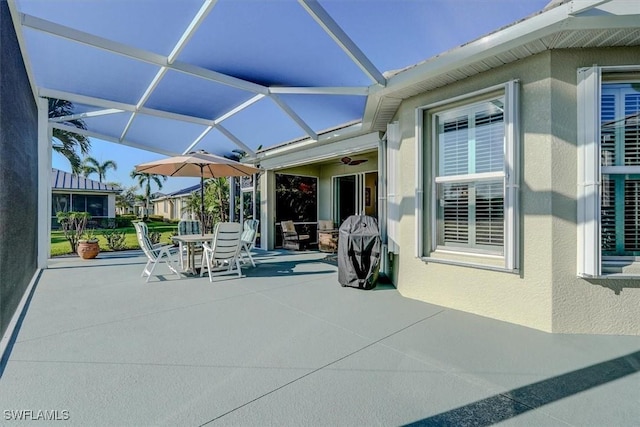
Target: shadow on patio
[{"x": 287, "y": 345}]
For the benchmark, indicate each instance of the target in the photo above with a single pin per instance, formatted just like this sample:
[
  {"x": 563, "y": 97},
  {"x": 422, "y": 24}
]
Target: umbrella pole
[{"x": 202, "y": 199}]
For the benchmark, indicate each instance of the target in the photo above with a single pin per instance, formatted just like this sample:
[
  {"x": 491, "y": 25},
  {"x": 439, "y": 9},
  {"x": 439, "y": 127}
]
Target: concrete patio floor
[{"x": 287, "y": 346}]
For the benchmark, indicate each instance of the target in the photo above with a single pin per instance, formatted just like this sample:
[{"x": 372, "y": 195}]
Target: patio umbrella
[{"x": 199, "y": 163}]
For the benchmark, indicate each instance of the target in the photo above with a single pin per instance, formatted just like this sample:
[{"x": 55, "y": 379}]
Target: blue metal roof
[
  {"x": 61, "y": 180},
  {"x": 184, "y": 191}
]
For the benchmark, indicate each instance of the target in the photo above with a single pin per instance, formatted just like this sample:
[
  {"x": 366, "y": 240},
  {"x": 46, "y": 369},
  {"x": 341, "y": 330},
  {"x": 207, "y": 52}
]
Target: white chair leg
[
  {"x": 210, "y": 264},
  {"x": 172, "y": 264},
  {"x": 248, "y": 249},
  {"x": 202, "y": 262},
  {"x": 146, "y": 267},
  {"x": 238, "y": 267}
]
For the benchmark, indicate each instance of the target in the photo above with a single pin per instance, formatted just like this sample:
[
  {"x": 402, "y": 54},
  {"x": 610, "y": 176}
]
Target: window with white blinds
[
  {"x": 620, "y": 161},
  {"x": 608, "y": 168},
  {"x": 467, "y": 191},
  {"x": 470, "y": 179}
]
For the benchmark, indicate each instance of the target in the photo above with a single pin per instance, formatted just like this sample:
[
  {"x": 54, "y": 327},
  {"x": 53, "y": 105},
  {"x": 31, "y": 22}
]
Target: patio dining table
[{"x": 190, "y": 240}]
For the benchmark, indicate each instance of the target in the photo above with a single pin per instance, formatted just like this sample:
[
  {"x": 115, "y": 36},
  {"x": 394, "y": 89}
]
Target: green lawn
[{"x": 60, "y": 245}]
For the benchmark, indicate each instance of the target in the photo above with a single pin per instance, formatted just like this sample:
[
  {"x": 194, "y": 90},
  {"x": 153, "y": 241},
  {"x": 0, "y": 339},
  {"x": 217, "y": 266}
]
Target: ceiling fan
[{"x": 352, "y": 162}]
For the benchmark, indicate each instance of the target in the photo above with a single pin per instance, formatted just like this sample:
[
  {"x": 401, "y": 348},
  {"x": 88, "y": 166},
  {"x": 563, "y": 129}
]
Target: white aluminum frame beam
[
  {"x": 338, "y": 35},
  {"x": 111, "y": 139},
  {"x": 105, "y": 103},
  {"x": 236, "y": 140},
  {"x": 317, "y": 90},
  {"x": 88, "y": 114},
  {"x": 128, "y": 108},
  {"x": 195, "y": 23},
  {"x": 137, "y": 54},
  {"x": 217, "y": 121},
  {"x": 294, "y": 116},
  {"x": 193, "y": 26},
  {"x": 237, "y": 109}
]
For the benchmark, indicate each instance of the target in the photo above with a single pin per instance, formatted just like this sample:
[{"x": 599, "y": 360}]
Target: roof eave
[{"x": 383, "y": 102}]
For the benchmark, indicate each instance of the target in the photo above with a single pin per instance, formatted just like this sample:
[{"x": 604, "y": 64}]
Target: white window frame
[
  {"x": 393, "y": 186},
  {"x": 510, "y": 256},
  {"x": 589, "y": 90}
]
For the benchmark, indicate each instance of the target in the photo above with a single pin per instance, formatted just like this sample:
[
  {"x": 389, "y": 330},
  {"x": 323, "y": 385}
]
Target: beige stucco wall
[
  {"x": 545, "y": 294},
  {"x": 609, "y": 306},
  {"x": 162, "y": 207}
]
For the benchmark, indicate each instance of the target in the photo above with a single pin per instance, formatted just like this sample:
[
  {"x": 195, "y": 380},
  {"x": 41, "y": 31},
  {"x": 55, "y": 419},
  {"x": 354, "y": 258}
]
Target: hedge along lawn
[{"x": 61, "y": 246}]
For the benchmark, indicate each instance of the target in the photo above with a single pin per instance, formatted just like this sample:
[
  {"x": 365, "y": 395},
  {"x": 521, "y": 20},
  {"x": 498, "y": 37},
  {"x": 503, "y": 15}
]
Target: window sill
[
  {"x": 482, "y": 262},
  {"x": 620, "y": 268},
  {"x": 613, "y": 276}
]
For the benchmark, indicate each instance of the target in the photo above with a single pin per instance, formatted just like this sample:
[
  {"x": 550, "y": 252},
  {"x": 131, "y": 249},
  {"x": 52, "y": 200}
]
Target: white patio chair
[
  {"x": 248, "y": 239},
  {"x": 188, "y": 227},
  {"x": 142, "y": 229},
  {"x": 223, "y": 255},
  {"x": 156, "y": 254}
]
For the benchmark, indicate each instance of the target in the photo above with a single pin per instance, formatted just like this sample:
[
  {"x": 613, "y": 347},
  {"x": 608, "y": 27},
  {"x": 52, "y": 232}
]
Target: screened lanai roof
[{"x": 173, "y": 76}]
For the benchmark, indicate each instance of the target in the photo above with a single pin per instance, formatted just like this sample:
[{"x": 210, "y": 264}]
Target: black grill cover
[{"x": 359, "y": 252}]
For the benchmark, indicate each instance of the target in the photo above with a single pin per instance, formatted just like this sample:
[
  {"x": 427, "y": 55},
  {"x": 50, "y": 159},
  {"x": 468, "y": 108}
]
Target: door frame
[{"x": 360, "y": 178}]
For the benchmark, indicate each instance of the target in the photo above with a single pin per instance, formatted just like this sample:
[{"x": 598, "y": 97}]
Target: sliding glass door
[{"x": 355, "y": 194}]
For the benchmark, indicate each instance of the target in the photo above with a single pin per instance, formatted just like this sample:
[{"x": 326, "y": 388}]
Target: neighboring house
[
  {"x": 505, "y": 173},
  {"x": 70, "y": 192},
  {"x": 126, "y": 210},
  {"x": 173, "y": 205}
]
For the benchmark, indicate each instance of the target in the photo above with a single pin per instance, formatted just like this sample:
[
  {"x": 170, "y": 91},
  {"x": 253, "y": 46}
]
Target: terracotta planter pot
[{"x": 88, "y": 250}]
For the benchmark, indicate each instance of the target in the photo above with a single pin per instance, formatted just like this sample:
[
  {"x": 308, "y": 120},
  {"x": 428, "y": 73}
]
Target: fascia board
[
  {"x": 373, "y": 104},
  {"x": 602, "y": 22},
  {"x": 321, "y": 152}
]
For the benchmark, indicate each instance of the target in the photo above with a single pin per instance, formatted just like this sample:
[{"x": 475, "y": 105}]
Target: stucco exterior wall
[
  {"x": 546, "y": 293},
  {"x": 609, "y": 306},
  {"x": 18, "y": 173},
  {"x": 162, "y": 207},
  {"x": 523, "y": 298}
]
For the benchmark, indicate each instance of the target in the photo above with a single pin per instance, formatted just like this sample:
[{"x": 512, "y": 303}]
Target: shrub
[
  {"x": 158, "y": 218},
  {"x": 73, "y": 225},
  {"x": 115, "y": 239},
  {"x": 154, "y": 236},
  {"x": 125, "y": 220}
]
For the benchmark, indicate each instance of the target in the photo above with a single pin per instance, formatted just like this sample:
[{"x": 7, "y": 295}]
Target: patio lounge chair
[
  {"x": 248, "y": 239},
  {"x": 327, "y": 236},
  {"x": 291, "y": 239},
  {"x": 155, "y": 254},
  {"x": 223, "y": 255},
  {"x": 188, "y": 227}
]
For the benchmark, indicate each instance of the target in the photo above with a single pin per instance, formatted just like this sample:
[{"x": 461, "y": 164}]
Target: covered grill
[{"x": 359, "y": 252}]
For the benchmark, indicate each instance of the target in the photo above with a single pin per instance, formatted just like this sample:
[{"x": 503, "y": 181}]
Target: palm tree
[
  {"x": 67, "y": 142},
  {"x": 91, "y": 165},
  {"x": 216, "y": 203},
  {"x": 144, "y": 180}
]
